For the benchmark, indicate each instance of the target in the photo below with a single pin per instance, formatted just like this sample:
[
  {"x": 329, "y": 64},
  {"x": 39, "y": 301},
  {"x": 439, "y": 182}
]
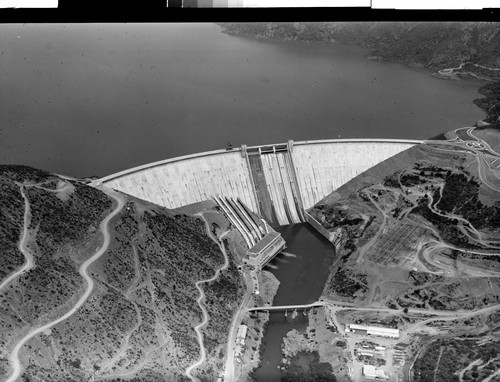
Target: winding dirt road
[
  {"x": 201, "y": 298},
  {"x": 22, "y": 243},
  {"x": 103, "y": 227}
]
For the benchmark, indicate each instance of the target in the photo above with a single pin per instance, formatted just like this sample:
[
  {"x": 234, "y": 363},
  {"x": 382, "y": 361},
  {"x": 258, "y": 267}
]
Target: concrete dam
[{"x": 277, "y": 181}]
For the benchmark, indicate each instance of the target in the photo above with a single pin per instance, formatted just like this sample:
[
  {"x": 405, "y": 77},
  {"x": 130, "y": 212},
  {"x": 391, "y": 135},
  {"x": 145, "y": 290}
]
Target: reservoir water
[
  {"x": 84, "y": 99},
  {"x": 87, "y": 99},
  {"x": 302, "y": 272}
]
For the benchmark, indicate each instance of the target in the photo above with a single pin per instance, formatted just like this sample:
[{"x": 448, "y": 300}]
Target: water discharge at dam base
[{"x": 302, "y": 278}]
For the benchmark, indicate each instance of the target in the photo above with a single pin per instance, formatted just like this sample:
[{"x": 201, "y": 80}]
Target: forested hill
[
  {"x": 74, "y": 307},
  {"x": 472, "y": 49},
  {"x": 430, "y": 45}
]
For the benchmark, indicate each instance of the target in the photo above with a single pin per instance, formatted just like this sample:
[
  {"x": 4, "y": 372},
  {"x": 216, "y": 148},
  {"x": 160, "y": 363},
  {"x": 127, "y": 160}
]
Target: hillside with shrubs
[{"x": 138, "y": 322}]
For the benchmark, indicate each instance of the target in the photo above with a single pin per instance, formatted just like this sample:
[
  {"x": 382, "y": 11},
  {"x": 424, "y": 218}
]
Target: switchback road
[
  {"x": 22, "y": 243},
  {"x": 103, "y": 227},
  {"x": 200, "y": 300}
]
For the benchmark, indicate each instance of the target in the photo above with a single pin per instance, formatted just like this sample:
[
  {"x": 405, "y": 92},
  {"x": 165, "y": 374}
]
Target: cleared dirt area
[{"x": 419, "y": 235}]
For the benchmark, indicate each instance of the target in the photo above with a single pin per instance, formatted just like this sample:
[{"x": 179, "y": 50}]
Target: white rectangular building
[
  {"x": 371, "y": 372},
  {"x": 242, "y": 332},
  {"x": 374, "y": 330},
  {"x": 240, "y": 339}
]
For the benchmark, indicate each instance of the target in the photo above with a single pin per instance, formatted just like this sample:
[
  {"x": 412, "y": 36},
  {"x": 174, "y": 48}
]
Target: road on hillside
[
  {"x": 15, "y": 364},
  {"x": 466, "y": 140},
  {"x": 459, "y": 315},
  {"x": 22, "y": 243},
  {"x": 200, "y": 300},
  {"x": 238, "y": 317}
]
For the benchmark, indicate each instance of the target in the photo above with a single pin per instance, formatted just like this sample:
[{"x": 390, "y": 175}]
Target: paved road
[
  {"x": 103, "y": 227},
  {"x": 201, "y": 298},
  {"x": 482, "y": 167},
  {"x": 449, "y": 316},
  {"x": 463, "y": 141},
  {"x": 238, "y": 317},
  {"x": 22, "y": 243},
  {"x": 342, "y": 305}
]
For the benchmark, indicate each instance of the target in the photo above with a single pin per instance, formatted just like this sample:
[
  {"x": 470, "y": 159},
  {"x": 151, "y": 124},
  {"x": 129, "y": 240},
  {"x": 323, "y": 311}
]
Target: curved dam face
[{"x": 277, "y": 181}]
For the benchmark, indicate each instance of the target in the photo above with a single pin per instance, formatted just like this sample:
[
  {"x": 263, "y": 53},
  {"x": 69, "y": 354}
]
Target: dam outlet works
[{"x": 258, "y": 187}]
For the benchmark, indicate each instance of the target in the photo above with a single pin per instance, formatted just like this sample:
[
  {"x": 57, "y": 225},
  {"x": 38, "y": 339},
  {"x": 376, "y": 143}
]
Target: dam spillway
[{"x": 277, "y": 181}]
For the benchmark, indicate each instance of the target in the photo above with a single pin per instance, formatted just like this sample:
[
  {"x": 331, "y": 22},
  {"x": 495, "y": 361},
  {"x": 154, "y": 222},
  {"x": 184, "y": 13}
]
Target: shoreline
[
  {"x": 371, "y": 52},
  {"x": 319, "y": 343},
  {"x": 257, "y": 323},
  {"x": 310, "y": 43},
  {"x": 371, "y": 55}
]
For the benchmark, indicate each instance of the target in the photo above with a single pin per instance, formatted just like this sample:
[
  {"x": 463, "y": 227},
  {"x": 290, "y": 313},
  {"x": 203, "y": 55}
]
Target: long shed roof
[{"x": 379, "y": 329}]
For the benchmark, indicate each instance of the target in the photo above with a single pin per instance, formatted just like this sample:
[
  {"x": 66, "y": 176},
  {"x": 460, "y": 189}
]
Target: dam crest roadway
[{"x": 277, "y": 181}]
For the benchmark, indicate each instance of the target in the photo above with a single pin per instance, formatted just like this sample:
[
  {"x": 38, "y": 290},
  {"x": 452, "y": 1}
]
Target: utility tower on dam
[{"x": 278, "y": 181}]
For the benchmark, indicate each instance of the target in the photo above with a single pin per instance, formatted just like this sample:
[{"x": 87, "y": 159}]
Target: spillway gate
[{"x": 275, "y": 183}]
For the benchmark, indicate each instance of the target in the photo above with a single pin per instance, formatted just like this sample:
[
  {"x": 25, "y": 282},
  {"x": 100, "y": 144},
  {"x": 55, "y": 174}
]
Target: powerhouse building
[{"x": 263, "y": 252}]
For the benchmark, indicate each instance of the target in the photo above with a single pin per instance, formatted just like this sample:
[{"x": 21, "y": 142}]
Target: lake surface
[
  {"x": 94, "y": 99},
  {"x": 302, "y": 278}
]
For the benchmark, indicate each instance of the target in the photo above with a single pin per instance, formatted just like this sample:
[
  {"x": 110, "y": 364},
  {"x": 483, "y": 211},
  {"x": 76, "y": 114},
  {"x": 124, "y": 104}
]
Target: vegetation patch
[
  {"x": 443, "y": 359},
  {"x": 306, "y": 367}
]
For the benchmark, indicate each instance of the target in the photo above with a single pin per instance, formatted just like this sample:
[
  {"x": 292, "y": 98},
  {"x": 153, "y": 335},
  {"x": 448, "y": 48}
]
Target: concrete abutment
[{"x": 278, "y": 182}]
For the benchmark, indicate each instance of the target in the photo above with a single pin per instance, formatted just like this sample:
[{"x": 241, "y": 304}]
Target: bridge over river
[
  {"x": 287, "y": 307},
  {"x": 339, "y": 305}
]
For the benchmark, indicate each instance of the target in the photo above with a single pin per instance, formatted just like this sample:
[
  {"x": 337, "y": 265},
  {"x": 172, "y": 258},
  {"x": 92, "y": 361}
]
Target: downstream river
[
  {"x": 302, "y": 271},
  {"x": 83, "y": 99}
]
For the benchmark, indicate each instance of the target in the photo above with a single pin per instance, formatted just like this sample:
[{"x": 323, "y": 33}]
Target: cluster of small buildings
[
  {"x": 370, "y": 349},
  {"x": 400, "y": 352}
]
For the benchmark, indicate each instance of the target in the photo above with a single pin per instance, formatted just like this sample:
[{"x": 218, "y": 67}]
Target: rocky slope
[{"x": 138, "y": 322}]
